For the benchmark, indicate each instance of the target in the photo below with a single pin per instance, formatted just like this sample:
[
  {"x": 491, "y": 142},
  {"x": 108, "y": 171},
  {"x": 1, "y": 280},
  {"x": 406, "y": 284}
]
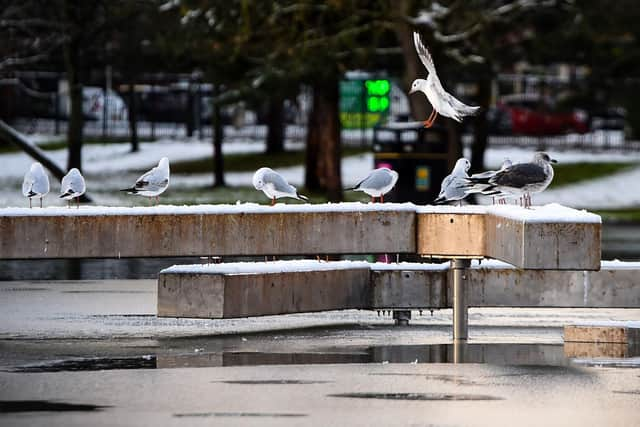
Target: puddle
[
  {"x": 91, "y": 364},
  {"x": 417, "y": 396},
  {"x": 239, "y": 414},
  {"x": 270, "y": 382},
  {"x": 13, "y": 406},
  {"x": 531, "y": 359}
]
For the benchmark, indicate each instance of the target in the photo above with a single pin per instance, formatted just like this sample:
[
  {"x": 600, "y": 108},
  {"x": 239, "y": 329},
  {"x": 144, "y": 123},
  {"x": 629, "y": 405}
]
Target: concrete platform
[
  {"x": 251, "y": 289},
  {"x": 547, "y": 237}
]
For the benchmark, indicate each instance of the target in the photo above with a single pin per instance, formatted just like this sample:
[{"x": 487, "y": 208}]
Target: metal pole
[{"x": 460, "y": 316}]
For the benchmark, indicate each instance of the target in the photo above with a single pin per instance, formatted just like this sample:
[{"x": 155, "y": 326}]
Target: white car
[{"x": 93, "y": 101}]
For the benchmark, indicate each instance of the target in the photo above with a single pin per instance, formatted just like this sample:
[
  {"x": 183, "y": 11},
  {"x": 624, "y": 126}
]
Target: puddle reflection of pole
[{"x": 460, "y": 316}]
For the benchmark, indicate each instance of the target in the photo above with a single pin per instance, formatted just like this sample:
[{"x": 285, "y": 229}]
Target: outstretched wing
[{"x": 424, "y": 55}]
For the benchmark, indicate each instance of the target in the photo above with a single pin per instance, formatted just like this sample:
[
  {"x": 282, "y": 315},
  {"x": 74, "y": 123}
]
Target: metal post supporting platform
[{"x": 460, "y": 315}]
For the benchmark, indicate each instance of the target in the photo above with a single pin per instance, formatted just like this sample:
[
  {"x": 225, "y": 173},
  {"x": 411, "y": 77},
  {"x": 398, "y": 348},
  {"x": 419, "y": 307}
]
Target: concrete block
[
  {"x": 613, "y": 334},
  {"x": 543, "y": 245},
  {"x": 208, "y": 294}
]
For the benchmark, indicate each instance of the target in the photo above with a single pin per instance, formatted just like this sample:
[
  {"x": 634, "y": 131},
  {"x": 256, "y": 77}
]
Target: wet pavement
[{"x": 94, "y": 353}]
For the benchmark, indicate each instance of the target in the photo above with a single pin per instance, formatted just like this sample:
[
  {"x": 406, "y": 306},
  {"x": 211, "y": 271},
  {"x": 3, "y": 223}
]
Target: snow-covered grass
[{"x": 109, "y": 167}]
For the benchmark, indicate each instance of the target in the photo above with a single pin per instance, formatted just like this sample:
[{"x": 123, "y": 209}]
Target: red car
[{"x": 531, "y": 115}]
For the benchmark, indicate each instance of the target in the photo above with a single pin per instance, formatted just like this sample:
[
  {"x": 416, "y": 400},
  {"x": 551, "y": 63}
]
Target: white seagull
[
  {"x": 274, "y": 186},
  {"x": 378, "y": 183},
  {"x": 73, "y": 186},
  {"x": 36, "y": 183},
  {"x": 519, "y": 179},
  {"x": 455, "y": 185},
  {"x": 442, "y": 102},
  {"x": 152, "y": 183}
]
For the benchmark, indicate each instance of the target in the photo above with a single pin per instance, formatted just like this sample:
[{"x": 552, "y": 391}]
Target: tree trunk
[
  {"x": 218, "y": 135},
  {"x": 275, "y": 125},
  {"x": 323, "y": 142},
  {"x": 133, "y": 119},
  {"x": 481, "y": 127},
  {"x": 73, "y": 65},
  {"x": 76, "y": 119},
  {"x": 418, "y": 103}
]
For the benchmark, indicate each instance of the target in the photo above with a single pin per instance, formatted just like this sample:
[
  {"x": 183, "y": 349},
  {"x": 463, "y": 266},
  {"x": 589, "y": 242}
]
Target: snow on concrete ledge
[
  {"x": 240, "y": 208},
  {"x": 268, "y": 267},
  {"x": 409, "y": 266},
  {"x": 447, "y": 209},
  {"x": 543, "y": 214}
]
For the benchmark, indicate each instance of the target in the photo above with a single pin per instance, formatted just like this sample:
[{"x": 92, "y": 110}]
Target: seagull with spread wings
[{"x": 443, "y": 103}]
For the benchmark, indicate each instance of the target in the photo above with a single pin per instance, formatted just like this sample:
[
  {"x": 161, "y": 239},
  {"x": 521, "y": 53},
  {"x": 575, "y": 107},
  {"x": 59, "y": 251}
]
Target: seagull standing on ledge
[
  {"x": 36, "y": 183},
  {"x": 454, "y": 186},
  {"x": 378, "y": 183},
  {"x": 152, "y": 183},
  {"x": 73, "y": 186},
  {"x": 274, "y": 186},
  {"x": 442, "y": 102},
  {"x": 519, "y": 179}
]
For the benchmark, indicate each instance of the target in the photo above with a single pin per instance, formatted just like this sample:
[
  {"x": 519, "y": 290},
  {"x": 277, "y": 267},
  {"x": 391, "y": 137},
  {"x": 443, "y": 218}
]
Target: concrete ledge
[
  {"x": 164, "y": 231},
  {"x": 260, "y": 289},
  {"x": 547, "y": 237}
]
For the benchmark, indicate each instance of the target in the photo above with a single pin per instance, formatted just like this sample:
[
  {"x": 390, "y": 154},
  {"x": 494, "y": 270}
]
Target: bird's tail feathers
[
  {"x": 131, "y": 190},
  {"x": 301, "y": 197},
  {"x": 440, "y": 200},
  {"x": 68, "y": 193}
]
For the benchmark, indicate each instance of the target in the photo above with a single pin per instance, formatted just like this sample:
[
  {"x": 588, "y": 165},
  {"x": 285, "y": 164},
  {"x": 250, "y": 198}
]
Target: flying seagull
[
  {"x": 519, "y": 179},
  {"x": 274, "y": 186},
  {"x": 378, "y": 183},
  {"x": 36, "y": 183},
  {"x": 455, "y": 186},
  {"x": 152, "y": 183},
  {"x": 73, "y": 186},
  {"x": 443, "y": 103}
]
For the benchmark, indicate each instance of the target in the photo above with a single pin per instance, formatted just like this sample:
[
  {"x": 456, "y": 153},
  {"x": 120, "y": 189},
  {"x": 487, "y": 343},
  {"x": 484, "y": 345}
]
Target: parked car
[
  {"x": 93, "y": 101},
  {"x": 531, "y": 115}
]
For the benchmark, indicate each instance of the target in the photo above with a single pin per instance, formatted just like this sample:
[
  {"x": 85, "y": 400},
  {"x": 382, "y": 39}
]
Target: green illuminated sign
[{"x": 364, "y": 103}]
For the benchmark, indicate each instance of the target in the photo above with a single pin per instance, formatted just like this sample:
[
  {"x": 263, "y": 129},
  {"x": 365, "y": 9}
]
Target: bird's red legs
[
  {"x": 77, "y": 202},
  {"x": 373, "y": 199},
  {"x": 426, "y": 122},
  {"x": 382, "y": 198},
  {"x": 273, "y": 201},
  {"x": 40, "y": 202},
  {"x": 432, "y": 118}
]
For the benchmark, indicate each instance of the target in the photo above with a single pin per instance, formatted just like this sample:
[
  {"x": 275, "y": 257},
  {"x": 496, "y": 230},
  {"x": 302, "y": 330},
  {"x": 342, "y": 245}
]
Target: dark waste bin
[{"x": 422, "y": 157}]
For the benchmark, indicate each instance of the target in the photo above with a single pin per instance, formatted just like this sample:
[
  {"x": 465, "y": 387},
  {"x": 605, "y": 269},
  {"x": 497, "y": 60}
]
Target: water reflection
[{"x": 529, "y": 356}]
